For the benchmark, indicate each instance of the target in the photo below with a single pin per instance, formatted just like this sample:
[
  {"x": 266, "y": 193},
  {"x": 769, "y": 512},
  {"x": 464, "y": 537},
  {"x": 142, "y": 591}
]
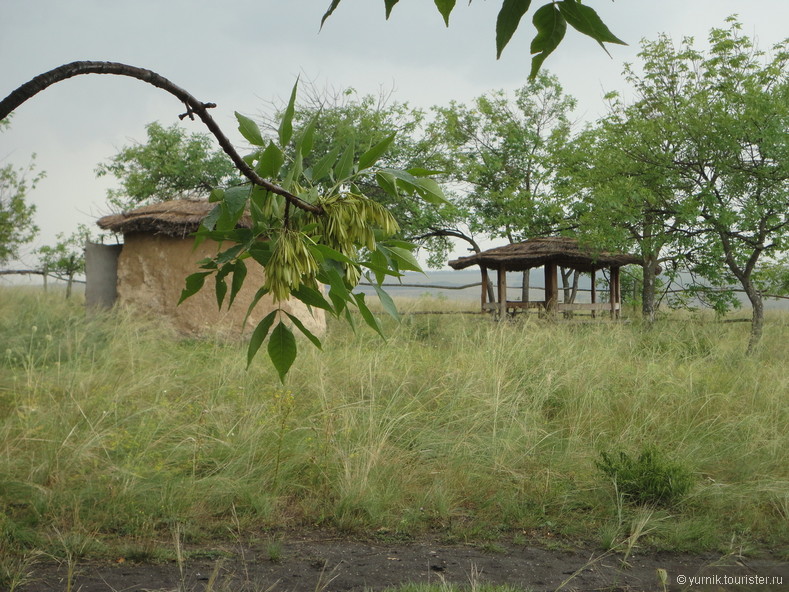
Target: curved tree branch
[
  {"x": 193, "y": 107},
  {"x": 448, "y": 232},
  {"x": 454, "y": 233}
]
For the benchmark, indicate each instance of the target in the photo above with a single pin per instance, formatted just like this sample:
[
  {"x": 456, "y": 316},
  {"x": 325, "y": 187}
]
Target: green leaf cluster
[
  {"x": 317, "y": 253},
  {"x": 772, "y": 277},
  {"x": 67, "y": 256},
  {"x": 394, "y": 137},
  {"x": 550, "y": 21}
]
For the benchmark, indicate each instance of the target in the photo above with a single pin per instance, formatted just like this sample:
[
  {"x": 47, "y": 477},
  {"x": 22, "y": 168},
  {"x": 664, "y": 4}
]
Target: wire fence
[{"x": 41, "y": 273}]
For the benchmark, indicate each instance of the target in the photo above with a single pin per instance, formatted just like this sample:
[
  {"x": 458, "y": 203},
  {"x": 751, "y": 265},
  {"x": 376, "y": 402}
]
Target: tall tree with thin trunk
[
  {"x": 626, "y": 196},
  {"x": 504, "y": 150},
  {"x": 726, "y": 111}
]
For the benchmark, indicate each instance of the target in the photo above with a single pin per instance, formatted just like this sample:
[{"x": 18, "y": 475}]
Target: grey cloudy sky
[{"x": 241, "y": 54}]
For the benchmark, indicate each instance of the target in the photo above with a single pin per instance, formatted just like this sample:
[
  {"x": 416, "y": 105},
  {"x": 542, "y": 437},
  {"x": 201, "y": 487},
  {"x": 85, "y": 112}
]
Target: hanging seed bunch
[
  {"x": 350, "y": 221},
  {"x": 291, "y": 264}
]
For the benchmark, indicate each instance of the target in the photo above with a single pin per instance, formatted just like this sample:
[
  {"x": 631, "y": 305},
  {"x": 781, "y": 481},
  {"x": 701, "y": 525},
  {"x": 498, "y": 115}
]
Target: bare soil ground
[{"x": 322, "y": 562}]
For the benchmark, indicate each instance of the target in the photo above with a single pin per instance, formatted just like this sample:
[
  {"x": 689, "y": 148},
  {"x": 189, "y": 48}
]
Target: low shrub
[{"x": 648, "y": 479}]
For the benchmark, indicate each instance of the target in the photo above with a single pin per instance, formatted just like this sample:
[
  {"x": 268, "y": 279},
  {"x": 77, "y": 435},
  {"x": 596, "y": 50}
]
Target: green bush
[{"x": 648, "y": 479}]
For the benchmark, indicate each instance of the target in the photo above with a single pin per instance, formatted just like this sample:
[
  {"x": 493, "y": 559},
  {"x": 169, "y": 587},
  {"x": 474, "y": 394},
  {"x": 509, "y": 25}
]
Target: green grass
[{"x": 115, "y": 433}]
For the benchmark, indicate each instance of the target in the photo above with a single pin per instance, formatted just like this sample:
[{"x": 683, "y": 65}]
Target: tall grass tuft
[
  {"x": 113, "y": 428},
  {"x": 647, "y": 479}
]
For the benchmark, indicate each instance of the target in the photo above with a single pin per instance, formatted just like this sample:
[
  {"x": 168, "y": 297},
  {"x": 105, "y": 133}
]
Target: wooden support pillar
[
  {"x": 594, "y": 292},
  {"x": 618, "y": 292},
  {"x": 502, "y": 273},
  {"x": 551, "y": 288},
  {"x": 484, "y": 271},
  {"x": 614, "y": 293}
]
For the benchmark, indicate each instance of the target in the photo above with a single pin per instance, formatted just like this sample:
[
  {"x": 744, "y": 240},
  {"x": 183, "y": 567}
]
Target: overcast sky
[{"x": 242, "y": 54}]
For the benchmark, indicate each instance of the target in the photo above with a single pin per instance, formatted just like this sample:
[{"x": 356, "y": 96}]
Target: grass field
[{"x": 115, "y": 433}]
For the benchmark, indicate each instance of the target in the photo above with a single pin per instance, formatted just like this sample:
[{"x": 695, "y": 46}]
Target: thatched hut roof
[
  {"x": 565, "y": 252},
  {"x": 177, "y": 218}
]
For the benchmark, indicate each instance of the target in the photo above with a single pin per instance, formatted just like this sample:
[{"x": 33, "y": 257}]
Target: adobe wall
[{"x": 151, "y": 274}]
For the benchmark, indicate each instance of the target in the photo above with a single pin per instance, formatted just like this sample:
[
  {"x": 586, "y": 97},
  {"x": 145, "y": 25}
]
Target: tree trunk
[
  {"x": 648, "y": 289},
  {"x": 576, "y": 282},
  {"x": 69, "y": 283},
  {"x": 743, "y": 274},
  {"x": 565, "y": 273},
  {"x": 570, "y": 290},
  {"x": 757, "y": 318},
  {"x": 491, "y": 291}
]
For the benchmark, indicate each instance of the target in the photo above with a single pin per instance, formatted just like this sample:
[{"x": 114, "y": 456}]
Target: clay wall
[{"x": 151, "y": 275}]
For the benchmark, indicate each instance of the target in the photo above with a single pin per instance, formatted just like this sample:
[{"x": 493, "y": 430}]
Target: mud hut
[
  {"x": 158, "y": 254},
  {"x": 550, "y": 253}
]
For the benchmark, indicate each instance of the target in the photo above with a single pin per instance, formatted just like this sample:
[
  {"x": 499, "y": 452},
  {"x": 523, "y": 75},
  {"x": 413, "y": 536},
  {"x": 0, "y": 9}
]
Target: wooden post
[
  {"x": 618, "y": 292},
  {"x": 594, "y": 292},
  {"x": 502, "y": 292},
  {"x": 613, "y": 291},
  {"x": 484, "y": 286},
  {"x": 551, "y": 288}
]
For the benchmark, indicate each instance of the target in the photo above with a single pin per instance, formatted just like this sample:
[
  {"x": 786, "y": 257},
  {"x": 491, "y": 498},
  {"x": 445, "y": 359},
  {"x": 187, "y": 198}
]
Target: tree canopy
[
  {"x": 505, "y": 150},
  {"x": 17, "y": 225},
  {"x": 343, "y": 118},
  {"x": 171, "y": 164},
  {"x": 700, "y": 156}
]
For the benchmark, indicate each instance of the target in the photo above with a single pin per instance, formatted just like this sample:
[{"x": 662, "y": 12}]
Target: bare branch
[{"x": 193, "y": 107}]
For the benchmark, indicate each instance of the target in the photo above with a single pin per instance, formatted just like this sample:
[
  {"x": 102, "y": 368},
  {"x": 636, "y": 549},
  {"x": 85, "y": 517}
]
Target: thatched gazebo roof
[
  {"x": 561, "y": 251},
  {"x": 177, "y": 218}
]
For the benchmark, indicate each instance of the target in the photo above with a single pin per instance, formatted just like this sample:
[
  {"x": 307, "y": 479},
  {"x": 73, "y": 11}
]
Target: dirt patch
[{"x": 315, "y": 562}]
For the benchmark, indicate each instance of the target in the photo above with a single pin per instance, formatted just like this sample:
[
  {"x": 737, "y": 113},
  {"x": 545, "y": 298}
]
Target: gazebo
[{"x": 550, "y": 253}]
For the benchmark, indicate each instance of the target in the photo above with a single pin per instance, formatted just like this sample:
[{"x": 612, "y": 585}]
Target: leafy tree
[
  {"x": 506, "y": 151},
  {"x": 342, "y": 119},
  {"x": 66, "y": 258},
  {"x": 625, "y": 194},
  {"x": 17, "y": 227},
  {"x": 727, "y": 112},
  {"x": 550, "y": 21},
  {"x": 172, "y": 164}
]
